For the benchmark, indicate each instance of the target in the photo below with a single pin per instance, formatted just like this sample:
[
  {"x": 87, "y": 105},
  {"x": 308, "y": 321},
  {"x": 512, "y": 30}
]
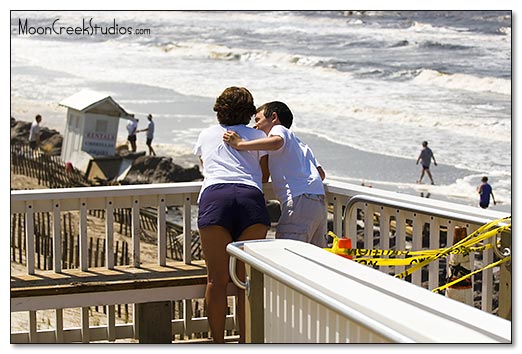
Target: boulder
[
  {"x": 160, "y": 169},
  {"x": 53, "y": 144}
]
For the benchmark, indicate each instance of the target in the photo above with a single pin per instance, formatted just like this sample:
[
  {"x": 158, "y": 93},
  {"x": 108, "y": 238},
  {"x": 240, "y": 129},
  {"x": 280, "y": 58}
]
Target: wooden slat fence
[
  {"x": 70, "y": 244},
  {"x": 49, "y": 170},
  {"x": 149, "y": 229}
]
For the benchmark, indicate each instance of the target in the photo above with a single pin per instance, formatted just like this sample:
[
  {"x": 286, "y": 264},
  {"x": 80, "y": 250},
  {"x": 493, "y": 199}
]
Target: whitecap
[{"x": 463, "y": 82}]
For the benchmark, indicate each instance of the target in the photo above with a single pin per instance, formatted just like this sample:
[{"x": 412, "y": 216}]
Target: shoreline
[
  {"x": 398, "y": 174},
  {"x": 391, "y": 173}
]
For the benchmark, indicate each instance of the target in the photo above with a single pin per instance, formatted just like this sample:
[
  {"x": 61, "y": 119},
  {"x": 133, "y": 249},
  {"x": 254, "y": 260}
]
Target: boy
[
  {"x": 485, "y": 190},
  {"x": 296, "y": 175}
]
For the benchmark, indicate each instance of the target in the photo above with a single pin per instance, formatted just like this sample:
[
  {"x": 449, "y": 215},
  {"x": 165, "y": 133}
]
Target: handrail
[
  {"x": 349, "y": 190},
  {"x": 417, "y": 209},
  {"x": 103, "y": 191},
  {"x": 235, "y": 250},
  {"x": 232, "y": 271}
]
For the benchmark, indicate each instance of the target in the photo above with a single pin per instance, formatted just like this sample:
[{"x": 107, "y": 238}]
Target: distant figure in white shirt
[
  {"x": 34, "y": 133},
  {"x": 150, "y": 134},
  {"x": 132, "y": 128},
  {"x": 297, "y": 177}
]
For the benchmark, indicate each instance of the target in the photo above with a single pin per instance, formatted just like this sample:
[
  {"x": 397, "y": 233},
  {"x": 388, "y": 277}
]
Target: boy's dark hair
[
  {"x": 283, "y": 112},
  {"x": 484, "y": 179},
  {"x": 235, "y": 106}
]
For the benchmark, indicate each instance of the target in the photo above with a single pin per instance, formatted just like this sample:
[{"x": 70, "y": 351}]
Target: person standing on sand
[
  {"x": 132, "y": 128},
  {"x": 34, "y": 133},
  {"x": 297, "y": 177},
  {"x": 231, "y": 202},
  {"x": 150, "y": 134},
  {"x": 425, "y": 156},
  {"x": 485, "y": 190}
]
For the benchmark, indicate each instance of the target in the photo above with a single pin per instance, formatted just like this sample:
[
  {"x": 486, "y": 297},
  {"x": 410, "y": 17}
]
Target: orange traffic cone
[{"x": 345, "y": 243}]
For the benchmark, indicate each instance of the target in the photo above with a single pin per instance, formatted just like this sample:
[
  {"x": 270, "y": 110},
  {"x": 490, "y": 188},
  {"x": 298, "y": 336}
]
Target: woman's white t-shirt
[{"x": 224, "y": 164}]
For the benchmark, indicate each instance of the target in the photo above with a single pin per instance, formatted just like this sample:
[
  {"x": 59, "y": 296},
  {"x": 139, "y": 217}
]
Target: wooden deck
[
  {"x": 71, "y": 281},
  {"x": 101, "y": 280},
  {"x": 152, "y": 288}
]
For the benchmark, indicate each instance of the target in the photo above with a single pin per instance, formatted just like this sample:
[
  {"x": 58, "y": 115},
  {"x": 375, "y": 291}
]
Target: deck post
[
  {"x": 187, "y": 231},
  {"x": 155, "y": 322},
  {"x": 254, "y": 311},
  {"x": 504, "y": 295}
]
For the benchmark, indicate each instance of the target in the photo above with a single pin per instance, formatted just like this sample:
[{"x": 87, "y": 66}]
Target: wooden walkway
[
  {"x": 74, "y": 281},
  {"x": 156, "y": 292}
]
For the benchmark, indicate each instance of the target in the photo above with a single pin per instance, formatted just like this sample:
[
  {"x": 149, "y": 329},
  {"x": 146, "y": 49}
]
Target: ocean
[{"x": 366, "y": 87}]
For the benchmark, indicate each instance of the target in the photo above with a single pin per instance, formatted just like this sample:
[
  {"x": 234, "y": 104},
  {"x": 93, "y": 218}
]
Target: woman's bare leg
[{"x": 214, "y": 240}]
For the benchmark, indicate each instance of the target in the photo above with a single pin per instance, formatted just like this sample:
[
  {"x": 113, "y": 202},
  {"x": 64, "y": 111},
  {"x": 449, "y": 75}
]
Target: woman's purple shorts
[{"x": 234, "y": 206}]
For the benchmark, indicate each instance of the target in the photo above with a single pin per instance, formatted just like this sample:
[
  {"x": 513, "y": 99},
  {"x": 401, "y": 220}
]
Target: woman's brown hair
[{"x": 235, "y": 106}]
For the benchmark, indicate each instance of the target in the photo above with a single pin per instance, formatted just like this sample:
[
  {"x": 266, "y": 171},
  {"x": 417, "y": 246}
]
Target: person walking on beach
[
  {"x": 485, "y": 191},
  {"x": 132, "y": 127},
  {"x": 425, "y": 156},
  {"x": 34, "y": 133},
  {"x": 232, "y": 206},
  {"x": 150, "y": 134},
  {"x": 297, "y": 177}
]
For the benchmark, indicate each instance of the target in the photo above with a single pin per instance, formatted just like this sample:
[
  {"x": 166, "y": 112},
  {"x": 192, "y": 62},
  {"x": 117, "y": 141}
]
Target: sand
[{"x": 23, "y": 182}]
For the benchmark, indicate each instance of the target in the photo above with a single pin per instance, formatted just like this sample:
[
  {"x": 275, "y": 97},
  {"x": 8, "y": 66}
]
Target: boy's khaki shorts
[{"x": 304, "y": 218}]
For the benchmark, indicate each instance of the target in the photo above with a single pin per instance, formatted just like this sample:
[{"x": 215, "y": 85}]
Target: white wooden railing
[
  {"x": 427, "y": 224},
  {"x": 56, "y": 201},
  {"x": 298, "y": 293},
  {"x": 161, "y": 196}
]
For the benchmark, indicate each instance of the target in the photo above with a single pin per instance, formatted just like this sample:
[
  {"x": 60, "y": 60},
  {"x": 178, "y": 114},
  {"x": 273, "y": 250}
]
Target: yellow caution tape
[
  {"x": 390, "y": 261},
  {"x": 377, "y": 252},
  {"x": 419, "y": 259},
  {"x": 445, "y": 286},
  {"x": 478, "y": 236},
  {"x": 415, "y": 259}
]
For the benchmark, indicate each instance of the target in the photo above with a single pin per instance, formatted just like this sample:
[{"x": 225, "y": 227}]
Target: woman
[{"x": 231, "y": 202}]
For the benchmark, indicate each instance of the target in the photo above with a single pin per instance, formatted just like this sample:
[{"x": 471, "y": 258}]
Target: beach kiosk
[{"x": 91, "y": 127}]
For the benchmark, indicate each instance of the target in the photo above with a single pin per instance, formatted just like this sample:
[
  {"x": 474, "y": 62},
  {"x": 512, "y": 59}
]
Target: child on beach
[
  {"x": 425, "y": 156},
  {"x": 485, "y": 190},
  {"x": 296, "y": 175}
]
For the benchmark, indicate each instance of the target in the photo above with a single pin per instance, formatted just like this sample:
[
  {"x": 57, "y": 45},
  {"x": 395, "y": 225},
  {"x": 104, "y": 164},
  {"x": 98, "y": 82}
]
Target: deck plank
[{"x": 74, "y": 281}]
